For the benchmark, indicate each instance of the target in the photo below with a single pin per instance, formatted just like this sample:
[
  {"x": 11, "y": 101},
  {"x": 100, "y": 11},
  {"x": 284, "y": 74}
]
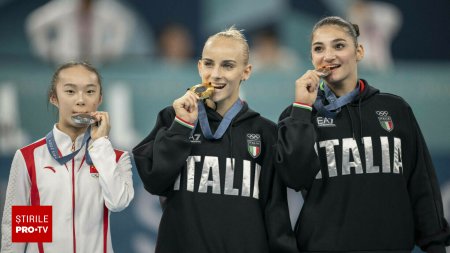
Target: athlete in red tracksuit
[{"x": 81, "y": 195}]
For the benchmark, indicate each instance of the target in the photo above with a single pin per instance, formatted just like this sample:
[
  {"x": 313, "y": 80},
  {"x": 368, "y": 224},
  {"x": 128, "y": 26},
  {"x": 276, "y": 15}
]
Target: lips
[
  {"x": 333, "y": 66},
  {"x": 77, "y": 113},
  {"x": 218, "y": 86}
]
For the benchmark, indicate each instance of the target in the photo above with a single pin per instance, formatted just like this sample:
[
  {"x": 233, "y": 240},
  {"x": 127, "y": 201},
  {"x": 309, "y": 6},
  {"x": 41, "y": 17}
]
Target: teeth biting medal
[
  {"x": 323, "y": 71},
  {"x": 84, "y": 119},
  {"x": 204, "y": 91}
]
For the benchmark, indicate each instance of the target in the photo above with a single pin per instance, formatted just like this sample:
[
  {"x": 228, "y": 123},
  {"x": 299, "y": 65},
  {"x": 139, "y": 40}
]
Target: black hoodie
[
  {"x": 212, "y": 204},
  {"x": 376, "y": 190}
]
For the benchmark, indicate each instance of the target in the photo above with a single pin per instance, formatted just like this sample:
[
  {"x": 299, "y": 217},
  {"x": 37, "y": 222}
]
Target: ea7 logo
[
  {"x": 195, "y": 138},
  {"x": 325, "y": 122}
]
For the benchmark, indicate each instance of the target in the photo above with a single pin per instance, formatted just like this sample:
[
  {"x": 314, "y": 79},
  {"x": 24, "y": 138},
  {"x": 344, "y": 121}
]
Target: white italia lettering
[
  {"x": 229, "y": 179},
  {"x": 256, "y": 181},
  {"x": 210, "y": 164},
  {"x": 331, "y": 156},
  {"x": 349, "y": 148},
  {"x": 190, "y": 164},
  {"x": 176, "y": 185},
  {"x": 319, "y": 174},
  {"x": 398, "y": 164},
  {"x": 210, "y": 177},
  {"x": 246, "y": 179},
  {"x": 351, "y": 156},
  {"x": 385, "y": 156},
  {"x": 368, "y": 153}
]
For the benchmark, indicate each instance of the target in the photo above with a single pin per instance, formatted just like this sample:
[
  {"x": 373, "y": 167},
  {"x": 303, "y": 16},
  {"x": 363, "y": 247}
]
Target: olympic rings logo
[
  {"x": 253, "y": 136},
  {"x": 382, "y": 113}
]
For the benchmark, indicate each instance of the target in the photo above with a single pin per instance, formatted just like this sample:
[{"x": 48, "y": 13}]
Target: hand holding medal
[
  {"x": 203, "y": 91},
  {"x": 186, "y": 107},
  {"x": 99, "y": 122}
]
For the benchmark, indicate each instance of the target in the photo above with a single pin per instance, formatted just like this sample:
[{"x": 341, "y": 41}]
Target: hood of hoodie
[
  {"x": 366, "y": 92},
  {"x": 244, "y": 114}
]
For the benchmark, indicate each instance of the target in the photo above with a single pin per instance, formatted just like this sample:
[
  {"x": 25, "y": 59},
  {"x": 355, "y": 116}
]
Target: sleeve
[
  {"x": 432, "y": 231},
  {"x": 17, "y": 194},
  {"x": 276, "y": 210},
  {"x": 162, "y": 154},
  {"x": 115, "y": 177},
  {"x": 295, "y": 156}
]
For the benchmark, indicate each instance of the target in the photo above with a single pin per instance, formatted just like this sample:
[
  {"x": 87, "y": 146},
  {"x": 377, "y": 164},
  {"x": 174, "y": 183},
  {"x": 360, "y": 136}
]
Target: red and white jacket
[{"x": 81, "y": 196}]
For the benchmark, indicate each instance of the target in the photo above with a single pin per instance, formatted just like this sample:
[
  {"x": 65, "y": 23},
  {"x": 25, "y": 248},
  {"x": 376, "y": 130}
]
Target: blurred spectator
[
  {"x": 268, "y": 54},
  {"x": 12, "y": 136},
  {"x": 97, "y": 31},
  {"x": 175, "y": 44},
  {"x": 378, "y": 23}
]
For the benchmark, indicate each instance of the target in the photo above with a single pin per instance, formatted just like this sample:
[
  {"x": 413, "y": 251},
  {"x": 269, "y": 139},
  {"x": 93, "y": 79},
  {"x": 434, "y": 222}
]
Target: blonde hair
[{"x": 233, "y": 33}]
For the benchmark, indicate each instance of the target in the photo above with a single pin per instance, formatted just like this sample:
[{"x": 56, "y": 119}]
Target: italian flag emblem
[
  {"x": 254, "y": 145},
  {"x": 385, "y": 120}
]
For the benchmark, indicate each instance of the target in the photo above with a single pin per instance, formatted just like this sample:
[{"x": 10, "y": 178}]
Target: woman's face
[
  {"x": 77, "y": 91},
  {"x": 223, "y": 65},
  {"x": 332, "y": 46}
]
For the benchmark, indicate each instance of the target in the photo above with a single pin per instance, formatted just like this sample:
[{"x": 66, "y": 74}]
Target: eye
[
  {"x": 340, "y": 46},
  {"x": 70, "y": 92},
  {"x": 208, "y": 63},
  {"x": 317, "y": 49},
  {"x": 228, "y": 66},
  {"x": 91, "y": 91}
]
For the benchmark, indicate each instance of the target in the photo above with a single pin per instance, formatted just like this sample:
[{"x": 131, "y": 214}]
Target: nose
[
  {"x": 80, "y": 98},
  {"x": 216, "y": 72},
  {"x": 330, "y": 55}
]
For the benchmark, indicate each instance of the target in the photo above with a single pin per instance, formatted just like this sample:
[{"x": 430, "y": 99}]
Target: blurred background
[{"x": 147, "y": 53}]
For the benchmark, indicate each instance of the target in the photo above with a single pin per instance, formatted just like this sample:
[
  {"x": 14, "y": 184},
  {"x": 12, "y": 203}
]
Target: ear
[
  {"x": 359, "y": 53},
  {"x": 54, "y": 101},
  {"x": 247, "y": 72},
  {"x": 199, "y": 67}
]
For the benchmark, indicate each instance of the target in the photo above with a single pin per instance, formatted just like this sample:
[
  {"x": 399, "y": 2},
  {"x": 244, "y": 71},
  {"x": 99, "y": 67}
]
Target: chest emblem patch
[
  {"x": 93, "y": 170},
  {"x": 385, "y": 120},
  {"x": 254, "y": 145}
]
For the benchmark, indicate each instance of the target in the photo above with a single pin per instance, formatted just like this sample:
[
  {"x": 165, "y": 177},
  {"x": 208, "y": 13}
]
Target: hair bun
[{"x": 356, "y": 27}]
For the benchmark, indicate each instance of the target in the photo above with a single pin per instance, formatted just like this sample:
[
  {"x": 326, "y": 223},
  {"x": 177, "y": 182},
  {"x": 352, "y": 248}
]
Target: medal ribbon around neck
[
  {"x": 53, "y": 148},
  {"x": 226, "y": 121},
  {"x": 334, "y": 103}
]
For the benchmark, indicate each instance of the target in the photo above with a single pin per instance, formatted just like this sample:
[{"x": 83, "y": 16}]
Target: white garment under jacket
[{"x": 97, "y": 191}]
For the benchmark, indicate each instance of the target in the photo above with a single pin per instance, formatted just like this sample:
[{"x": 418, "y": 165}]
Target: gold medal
[{"x": 204, "y": 91}]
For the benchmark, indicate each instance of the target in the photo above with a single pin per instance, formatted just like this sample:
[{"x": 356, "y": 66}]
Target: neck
[
  {"x": 223, "y": 107},
  {"x": 340, "y": 89},
  {"x": 73, "y": 132}
]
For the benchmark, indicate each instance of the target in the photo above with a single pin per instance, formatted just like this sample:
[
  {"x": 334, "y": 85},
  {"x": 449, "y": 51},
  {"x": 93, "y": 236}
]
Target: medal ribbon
[
  {"x": 226, "y": 121},
  {"x": 334, "y": 103},
  {"x": 53, "y": 148}
]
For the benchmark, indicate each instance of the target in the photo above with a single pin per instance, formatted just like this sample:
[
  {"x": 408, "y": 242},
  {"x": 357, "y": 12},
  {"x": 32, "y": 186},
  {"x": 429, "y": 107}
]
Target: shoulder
[
  {"x": 31, "y": 147},
  {"x": 391, "y": 99}
]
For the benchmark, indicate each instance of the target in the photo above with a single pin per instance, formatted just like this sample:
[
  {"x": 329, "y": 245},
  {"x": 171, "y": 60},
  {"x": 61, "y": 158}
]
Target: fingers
[
  {"x": 102, "y": 117},
  {"x": 188, "y": 101},
  {"x": 309, "y": 81},
  {"x": 102, "y": 127},
  {"x": 306, "y": 87}
]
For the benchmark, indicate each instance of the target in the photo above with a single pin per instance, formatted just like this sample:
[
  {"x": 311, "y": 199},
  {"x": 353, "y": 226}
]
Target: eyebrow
[
  {"x": 74, "y": 85},
  {"x": 333, "y": 41},
  {"x": 224, "y": 61}
]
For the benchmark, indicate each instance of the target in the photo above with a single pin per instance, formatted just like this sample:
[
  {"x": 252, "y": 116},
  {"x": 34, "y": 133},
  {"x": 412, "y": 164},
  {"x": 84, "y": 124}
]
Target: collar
[{"x": 64, "y": 141}]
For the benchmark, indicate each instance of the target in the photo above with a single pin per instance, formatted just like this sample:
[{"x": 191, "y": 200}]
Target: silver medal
[{"x": 84, "y": 119}]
